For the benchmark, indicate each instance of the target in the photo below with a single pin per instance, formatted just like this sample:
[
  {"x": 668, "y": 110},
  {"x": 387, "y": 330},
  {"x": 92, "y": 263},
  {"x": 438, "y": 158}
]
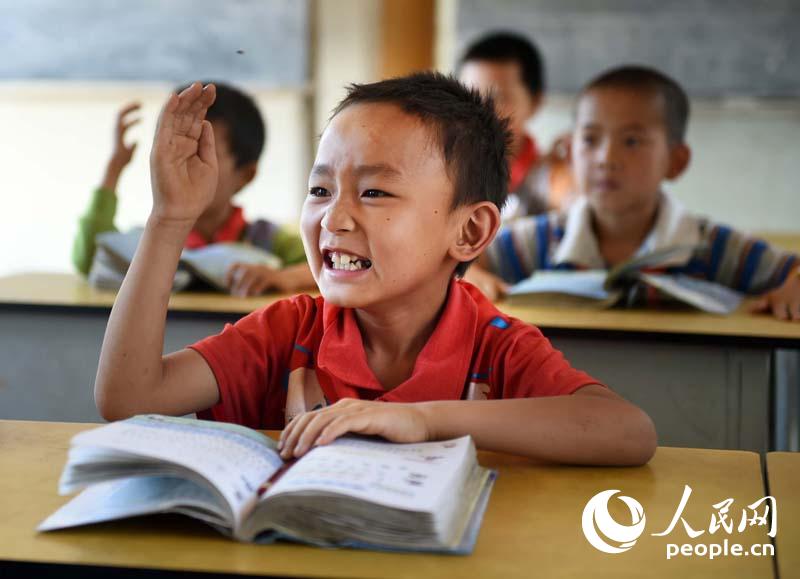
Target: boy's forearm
[
  {"x": 576, "y": 429},
  {"x": 130, "y": 365},
  {"x": 112, "y": 174}
]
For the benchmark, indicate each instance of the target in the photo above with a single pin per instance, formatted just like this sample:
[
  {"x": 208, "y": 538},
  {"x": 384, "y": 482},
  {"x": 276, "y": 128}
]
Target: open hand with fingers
[
  {"x": 251, "y": 279},
  {"x": 183, "y": 161},
  {"x": 122, "y": 153},
  {"x": 393, "y": 421},
  {"x": 782, "y": 302}
]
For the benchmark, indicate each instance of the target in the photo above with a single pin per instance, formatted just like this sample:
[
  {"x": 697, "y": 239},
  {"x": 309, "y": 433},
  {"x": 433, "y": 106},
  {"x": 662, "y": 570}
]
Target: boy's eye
[
  {"x": 374, "y": 193},
  {"x": 317, "y": 192},
  {"x": 632, "y": 141},
  {"x": 589, "y": 140}
]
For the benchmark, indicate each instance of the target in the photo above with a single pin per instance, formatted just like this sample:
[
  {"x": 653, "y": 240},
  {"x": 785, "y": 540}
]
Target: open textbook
[
  {"x": 356, "y": 492},
  {"x": 600, "y": 288},
  {"x": 115, "y": 253}
]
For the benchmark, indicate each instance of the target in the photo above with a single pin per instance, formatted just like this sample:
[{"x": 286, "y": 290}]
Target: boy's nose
[
  {"x": 337, "y": 217},
  {"x": 607, "y": 155}
]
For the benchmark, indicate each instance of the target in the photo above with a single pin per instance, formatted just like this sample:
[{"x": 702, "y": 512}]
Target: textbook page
[
  {"x": 705, "y": 295},
  {"x": 211, "y": 263},
  {"x": 405, "y": 476},
  {"x": 586, "y": 284},
  {"x": 234, "y": 459},
  {"x": 131, "y": 497}
]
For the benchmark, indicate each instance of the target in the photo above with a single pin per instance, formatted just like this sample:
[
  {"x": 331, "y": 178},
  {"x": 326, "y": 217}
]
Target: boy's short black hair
[
  {"x": 474, "y": 142},
  {"x": 645, "y": 79},
  {"x": 246, "y": 128},
  {"x": 510, "y": 47}
]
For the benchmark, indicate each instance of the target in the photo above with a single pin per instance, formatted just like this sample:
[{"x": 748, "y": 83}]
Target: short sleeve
[
  {"x": 515, "y": 252},
  {"x": 248, "y": 360},
  {"x": 530, "y": 367}
]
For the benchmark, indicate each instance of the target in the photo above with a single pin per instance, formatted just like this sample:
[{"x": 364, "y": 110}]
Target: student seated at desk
[
  {"x": 240, "y": 136},
  {"x": 405, "y": 192},
  {"x": 509, "y": 67},
  {"x": 629, "y": 138}
]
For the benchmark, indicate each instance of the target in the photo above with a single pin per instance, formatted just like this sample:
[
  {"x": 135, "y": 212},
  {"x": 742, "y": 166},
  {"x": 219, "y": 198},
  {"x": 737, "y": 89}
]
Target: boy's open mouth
[{"x": 341, "y": 261}]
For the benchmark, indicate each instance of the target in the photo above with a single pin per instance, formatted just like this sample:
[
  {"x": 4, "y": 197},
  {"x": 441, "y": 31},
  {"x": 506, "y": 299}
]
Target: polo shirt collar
[
  {"x": 441, "y": 367},
  {"x": 231, "y": 230},
  {"x": 674, "y": 226}
]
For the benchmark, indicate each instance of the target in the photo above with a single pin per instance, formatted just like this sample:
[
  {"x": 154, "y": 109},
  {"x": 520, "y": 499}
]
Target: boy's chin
[{"x": 343, "y": 297}]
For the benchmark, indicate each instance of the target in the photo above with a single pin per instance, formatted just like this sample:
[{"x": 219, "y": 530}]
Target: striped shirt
[{"x": 566, "y": 241}]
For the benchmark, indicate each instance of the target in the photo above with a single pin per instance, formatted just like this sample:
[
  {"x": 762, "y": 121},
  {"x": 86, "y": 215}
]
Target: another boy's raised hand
[
  {"x": 122, "y": 153},
  {"x": 183, "y": 162},
  {"x": 783, "y": 302}
]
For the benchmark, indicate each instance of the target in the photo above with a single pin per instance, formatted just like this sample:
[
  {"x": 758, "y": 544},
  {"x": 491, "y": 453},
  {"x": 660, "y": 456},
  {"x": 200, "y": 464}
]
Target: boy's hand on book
[
  {"x": 395, "y": 422},
  {"x": 250, "y": 279},
  {"x": 183, "y": 162},
  {"x": 783, "y": 302}
]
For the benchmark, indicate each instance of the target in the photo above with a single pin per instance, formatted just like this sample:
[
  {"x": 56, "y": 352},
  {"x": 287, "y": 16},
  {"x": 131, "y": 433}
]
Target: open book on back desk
[
  {"x": 210, "y": 264},
  {"x": 355, "y": 492},
  {"x": 600, "y": 288}
]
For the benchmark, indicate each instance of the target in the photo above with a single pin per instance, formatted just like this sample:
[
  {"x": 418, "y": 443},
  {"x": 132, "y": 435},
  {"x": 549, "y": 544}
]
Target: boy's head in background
[
  {"x": 629, "y": 137},
  {"x": 239, "y": 135},
  {"x": 509, "y": 67},
  {"x": 406, "y": 190}
]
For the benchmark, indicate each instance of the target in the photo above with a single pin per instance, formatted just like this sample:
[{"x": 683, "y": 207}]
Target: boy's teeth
[{"x": 347, "y": 262}]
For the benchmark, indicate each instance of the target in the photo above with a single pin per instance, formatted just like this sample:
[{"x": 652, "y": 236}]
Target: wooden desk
[
  {"x": 783, "y": 480},
  {"x": 706, "y": 380},
  {"x": 532, "y": 525}
]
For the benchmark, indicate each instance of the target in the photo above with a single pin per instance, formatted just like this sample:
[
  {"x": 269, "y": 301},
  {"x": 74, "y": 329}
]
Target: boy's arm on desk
[
  {"x": 132, "y": 376},
  {"x": 592, "y": 426}
]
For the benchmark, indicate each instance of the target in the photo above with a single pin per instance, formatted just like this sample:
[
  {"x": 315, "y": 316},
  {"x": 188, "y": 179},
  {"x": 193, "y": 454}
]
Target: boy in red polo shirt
[
  {"x": 405, "y": 192},
  {"x": 241, "y": 135}
]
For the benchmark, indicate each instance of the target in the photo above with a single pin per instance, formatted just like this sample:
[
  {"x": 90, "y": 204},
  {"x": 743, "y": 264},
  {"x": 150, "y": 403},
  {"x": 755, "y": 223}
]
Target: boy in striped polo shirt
[{"x": 629, "y": 137}]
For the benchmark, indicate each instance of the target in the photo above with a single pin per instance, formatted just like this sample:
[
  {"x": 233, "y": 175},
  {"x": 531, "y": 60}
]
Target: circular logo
[{"x": 601, "y": 530}]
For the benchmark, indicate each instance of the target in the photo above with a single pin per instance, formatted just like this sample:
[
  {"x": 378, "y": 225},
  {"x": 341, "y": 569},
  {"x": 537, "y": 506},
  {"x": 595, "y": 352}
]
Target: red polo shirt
[
  {"x": 302, "y": 353},
  {"x": 232, "y": 230}
]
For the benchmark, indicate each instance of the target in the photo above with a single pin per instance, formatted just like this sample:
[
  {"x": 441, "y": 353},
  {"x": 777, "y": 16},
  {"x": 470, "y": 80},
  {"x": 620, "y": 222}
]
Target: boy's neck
[
  {"x": 619, "y": 235},
  {"x": 395, "y": 334},
  {"x": 211, "y": 222}
]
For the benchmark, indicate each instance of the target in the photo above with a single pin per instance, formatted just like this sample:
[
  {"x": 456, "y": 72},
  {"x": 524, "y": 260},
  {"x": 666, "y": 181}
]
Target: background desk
[
  {"x": 532, "y": 525},
  {"x": 783, "y": 476},
  {"x": 706, "y": 380}
]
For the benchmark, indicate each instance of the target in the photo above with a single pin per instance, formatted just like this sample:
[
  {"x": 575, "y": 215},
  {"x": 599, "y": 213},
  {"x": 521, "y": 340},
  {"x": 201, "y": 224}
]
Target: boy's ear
[
  {"x": 246, "y": 174},
  {"x": 679, "y": 157},
  {"x": 478, "y": 225}
]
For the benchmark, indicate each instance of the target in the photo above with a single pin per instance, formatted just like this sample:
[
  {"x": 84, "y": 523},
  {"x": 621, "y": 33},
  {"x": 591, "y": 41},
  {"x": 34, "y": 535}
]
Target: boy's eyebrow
[
  {"x": 629, "y": 127},
  {"x": 381, "y": 169}
]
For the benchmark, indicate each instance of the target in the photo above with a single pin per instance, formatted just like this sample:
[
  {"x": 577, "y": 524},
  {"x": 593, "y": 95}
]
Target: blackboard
[
  {"x": 712, "y": 47},
  {"x": 257, "y": 41}
]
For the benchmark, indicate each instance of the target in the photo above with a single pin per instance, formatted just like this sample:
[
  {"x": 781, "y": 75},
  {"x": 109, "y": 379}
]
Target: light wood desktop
[
  {"x": 783, "y": 476},
  {"x": 707, "y": 381},
  {"x": 532, "y": 525}
]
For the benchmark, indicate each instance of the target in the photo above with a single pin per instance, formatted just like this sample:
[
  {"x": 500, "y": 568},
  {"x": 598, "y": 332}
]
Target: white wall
[
  {"x": 56, "y": 139},
  {"x": 346, "y": 46},
  {"x": 745, "y": 168}
]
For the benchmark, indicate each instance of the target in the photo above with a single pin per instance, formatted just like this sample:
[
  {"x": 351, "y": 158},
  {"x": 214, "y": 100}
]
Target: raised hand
[
  {"x": 183, "y": 162},
  {"x": 122, "y": 153}
]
